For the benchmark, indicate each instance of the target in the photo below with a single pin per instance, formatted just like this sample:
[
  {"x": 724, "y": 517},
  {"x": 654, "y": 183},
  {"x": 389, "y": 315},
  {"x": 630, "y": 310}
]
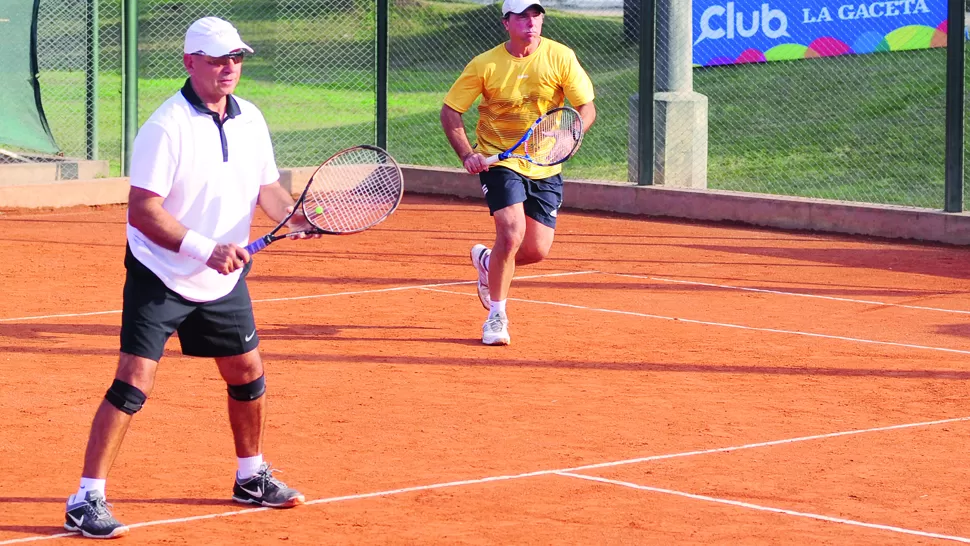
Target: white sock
[
  {"x": 497, "y": 307},
  {"x": 248, "y": 466},
  {"x": 89, "y": 484}
]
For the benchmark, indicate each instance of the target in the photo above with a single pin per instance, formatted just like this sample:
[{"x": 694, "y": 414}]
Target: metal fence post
[
  {"x": 646, "y": 88},
  {"x": 91, "y": 69},
  {"x": 382, "y": 43},
  {"x": 953, "y": 192},
  {"x": 129, "y": 77}
]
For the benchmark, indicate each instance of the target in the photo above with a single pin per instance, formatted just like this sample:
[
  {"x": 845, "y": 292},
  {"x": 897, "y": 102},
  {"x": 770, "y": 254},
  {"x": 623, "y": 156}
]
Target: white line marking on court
[
  {"x": 488, "y": 479},
  {"x": 313, "y": 296},
  {"x": 65, "y": 315},
  {"x": 765, "y": 444},
  {"x": 798, "y": 294},
  {"x": 766, "y": 508},
  {"x": 723, "y": 324}
]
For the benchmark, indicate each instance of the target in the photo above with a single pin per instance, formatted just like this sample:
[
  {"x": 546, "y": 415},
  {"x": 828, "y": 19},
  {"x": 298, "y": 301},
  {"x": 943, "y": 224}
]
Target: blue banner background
[{"x": 744, "y": 31}]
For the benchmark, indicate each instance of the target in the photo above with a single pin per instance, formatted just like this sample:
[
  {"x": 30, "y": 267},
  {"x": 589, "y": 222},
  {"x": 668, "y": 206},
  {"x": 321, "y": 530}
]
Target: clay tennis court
[{"x": 667, "y": 383}]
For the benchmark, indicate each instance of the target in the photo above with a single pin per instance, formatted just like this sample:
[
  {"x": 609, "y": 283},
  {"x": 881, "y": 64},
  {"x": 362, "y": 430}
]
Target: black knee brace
[
  {"x": 249, "y": 391},
  {"x": 125, "y": 397}
]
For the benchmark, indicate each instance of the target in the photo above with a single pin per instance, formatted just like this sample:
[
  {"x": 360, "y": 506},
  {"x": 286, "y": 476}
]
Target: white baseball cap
[
  {"x": 214, "y": 37},
  {"x": 518, "y": 6}
]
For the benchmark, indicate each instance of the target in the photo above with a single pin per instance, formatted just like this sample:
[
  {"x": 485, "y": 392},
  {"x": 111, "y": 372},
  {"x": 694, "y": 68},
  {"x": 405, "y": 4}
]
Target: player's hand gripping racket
[
  {"x": 552, "y": 139},
  {"x": 354, "y": 190}
]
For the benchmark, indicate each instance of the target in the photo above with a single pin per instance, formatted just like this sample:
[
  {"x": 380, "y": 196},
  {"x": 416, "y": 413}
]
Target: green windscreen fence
[{"x": 22, "y": 121}]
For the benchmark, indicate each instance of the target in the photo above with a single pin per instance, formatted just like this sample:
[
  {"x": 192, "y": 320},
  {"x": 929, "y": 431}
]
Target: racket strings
[
  {"x": 555, "y": 138},
  {"x": 353, "y": 191}
]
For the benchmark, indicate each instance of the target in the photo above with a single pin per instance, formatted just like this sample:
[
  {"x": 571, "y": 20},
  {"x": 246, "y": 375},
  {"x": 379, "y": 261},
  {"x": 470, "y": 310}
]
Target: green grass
[{"x": 862, "y": 128}]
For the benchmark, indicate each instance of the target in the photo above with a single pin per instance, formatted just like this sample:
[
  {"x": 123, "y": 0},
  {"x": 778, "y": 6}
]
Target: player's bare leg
[
  {"x": 247, "y": 418},
  {"x": 110, "y": 424},
  {"x": 87, "y": 510},
  {"x": 536, "y": 243},
  {"x": 510, "y": 230},
  {"x": 254, "y": 483}
]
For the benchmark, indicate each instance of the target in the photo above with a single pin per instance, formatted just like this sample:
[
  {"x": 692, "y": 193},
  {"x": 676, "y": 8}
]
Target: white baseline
[{"x": 571, "y": 472}]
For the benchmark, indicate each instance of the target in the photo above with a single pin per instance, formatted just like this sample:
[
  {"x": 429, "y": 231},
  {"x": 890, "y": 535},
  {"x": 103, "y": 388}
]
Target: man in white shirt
[{"x": 200, "y": 165}]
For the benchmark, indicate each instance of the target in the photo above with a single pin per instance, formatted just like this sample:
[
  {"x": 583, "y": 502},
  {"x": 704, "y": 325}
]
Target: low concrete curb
[
  {"x": 720, "y": 206},
  {"x": 101, "y": 191},
  {"x": 708, "y": 205}
]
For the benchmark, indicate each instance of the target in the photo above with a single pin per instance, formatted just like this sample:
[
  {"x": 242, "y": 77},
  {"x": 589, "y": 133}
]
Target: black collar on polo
[{"x": 232, "y": 110}]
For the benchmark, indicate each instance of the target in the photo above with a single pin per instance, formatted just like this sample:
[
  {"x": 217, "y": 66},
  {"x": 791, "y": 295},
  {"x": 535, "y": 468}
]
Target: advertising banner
[{"x": 751, "y": 31}]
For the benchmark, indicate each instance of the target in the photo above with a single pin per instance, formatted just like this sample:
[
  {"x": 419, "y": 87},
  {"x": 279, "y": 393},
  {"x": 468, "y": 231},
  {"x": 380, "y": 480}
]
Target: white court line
[
  {"x": 313, "y": 296},
  {"x": 722, "y": 324},
  {"x": 524, "y": 475},
  {"x": 798, "y": 294},
  {"x": 767, "y": 508},
  {"x": 764, "y": 444}
]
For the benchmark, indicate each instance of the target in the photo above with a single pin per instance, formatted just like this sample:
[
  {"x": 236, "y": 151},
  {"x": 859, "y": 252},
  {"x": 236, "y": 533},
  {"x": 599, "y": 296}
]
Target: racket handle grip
[
  {"x": 257, "y": 245},
  {"x": 493, "y": 159}
]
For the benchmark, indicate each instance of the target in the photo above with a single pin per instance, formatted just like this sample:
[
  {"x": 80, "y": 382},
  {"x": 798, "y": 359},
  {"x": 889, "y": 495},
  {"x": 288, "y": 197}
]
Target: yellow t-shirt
[{"x": 515, "y": 92}]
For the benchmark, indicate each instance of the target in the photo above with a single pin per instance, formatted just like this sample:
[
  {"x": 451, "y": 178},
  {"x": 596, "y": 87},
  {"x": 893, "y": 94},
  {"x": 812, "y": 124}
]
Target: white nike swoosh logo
[
  {"x": 257, "y": 493},
  {"x": 250, "y": 336},
  {"x": 76, "y": 521}
]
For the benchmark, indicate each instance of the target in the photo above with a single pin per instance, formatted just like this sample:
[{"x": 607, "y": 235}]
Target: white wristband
[{"x": 196, "y": 245}]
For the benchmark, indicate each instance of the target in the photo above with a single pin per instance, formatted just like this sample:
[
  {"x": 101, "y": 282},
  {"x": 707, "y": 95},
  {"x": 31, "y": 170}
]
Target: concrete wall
[
  {"x": 45, "y": 173},
  {"x": 713, "y": 205},
  {"x": 710, "y": 205},
  {"x": 101, "y": 191}
]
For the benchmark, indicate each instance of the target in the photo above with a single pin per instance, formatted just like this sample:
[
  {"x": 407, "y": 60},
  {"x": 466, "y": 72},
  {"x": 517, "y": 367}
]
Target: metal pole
[
  {"x": 129, "y": 77},
  {"x": 92, "y": 68},
  {"x": 645, "y": 127},
  {"x": 673, "y": 51},
  {"x": 382, "y": 44},
  {"x": 953, "y": 192}
]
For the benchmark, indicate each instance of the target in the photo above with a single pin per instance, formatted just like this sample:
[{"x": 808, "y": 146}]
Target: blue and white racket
[
  {"x": 354, "y": 190},
  {"x": 550, "y": 140}
]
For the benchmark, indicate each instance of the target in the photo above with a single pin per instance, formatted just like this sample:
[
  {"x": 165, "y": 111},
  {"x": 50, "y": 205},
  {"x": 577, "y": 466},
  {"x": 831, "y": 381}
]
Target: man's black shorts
[
  {"x": 541, "y": 198},
  {"x": 152, "y": 313}
]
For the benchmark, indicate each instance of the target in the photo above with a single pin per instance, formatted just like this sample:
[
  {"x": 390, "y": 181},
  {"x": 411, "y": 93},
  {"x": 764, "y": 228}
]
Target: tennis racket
[
  {"x": 354, "y": 190},
  {"x": 550, "y": 140}
]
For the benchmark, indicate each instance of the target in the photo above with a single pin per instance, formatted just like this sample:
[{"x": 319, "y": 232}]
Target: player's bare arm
[
  {"x": 588, "y": 113},
  {"x": 146, "y": 214},
  {"x": 454, "y": 129},
  {"x": 277, "y": 203}
]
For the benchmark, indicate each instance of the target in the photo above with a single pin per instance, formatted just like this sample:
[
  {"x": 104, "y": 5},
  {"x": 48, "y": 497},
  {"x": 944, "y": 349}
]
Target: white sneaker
[
  {"x": 478, "y": 254},
  {"x": 495, "y": 331}
]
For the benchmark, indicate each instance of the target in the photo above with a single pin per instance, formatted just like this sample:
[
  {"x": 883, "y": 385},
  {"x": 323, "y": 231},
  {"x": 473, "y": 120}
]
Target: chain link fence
[
  {"x": 64, "y": 28},
  {"x": 431, "y": 42},
  {"x": 867, "y": 128}
]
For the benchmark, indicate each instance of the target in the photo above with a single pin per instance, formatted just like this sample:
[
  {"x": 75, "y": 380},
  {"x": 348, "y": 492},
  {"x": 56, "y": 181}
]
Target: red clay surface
[{"x": 635, "y": 344}]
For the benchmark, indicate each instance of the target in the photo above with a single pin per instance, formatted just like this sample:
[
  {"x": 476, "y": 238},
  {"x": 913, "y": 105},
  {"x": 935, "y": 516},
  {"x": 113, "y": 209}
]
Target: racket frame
[
  {"x": 491, "y": 160},
  {"x": 300, "y": 205}
]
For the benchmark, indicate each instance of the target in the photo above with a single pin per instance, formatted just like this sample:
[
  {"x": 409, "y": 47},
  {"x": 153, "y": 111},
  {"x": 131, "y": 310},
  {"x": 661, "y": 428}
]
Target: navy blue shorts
[
  {"x": 152, "y": 313},
  {"x": 541, "y": 197}
]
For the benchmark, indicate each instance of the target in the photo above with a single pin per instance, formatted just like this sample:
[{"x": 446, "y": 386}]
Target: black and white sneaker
[
  {"x": 265, "y": 490},
  {"x": 92, "y": 517}
]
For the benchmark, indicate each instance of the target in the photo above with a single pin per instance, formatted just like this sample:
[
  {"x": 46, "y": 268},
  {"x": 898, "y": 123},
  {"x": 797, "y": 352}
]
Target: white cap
[
  {"x": 214, "y": 37},
  {"x": 518, "y": 6}
]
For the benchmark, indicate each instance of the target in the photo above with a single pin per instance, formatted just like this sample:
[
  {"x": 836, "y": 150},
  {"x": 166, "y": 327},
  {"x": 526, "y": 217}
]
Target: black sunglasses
[{"x": 224, "y": 60}]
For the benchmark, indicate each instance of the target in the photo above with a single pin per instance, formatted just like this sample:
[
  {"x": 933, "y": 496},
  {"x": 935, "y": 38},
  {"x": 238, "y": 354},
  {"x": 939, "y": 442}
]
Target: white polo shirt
[{"x": 210, "y": 180}]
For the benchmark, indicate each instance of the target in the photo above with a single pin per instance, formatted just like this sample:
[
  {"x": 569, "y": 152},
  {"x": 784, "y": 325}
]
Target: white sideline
[
  {"x": 313, "y": 296},
  {"x": 767, "y": 508},
  {"x": 721, "y": 324},
  {"x": 571, "y": 472},
  {"x": 796, "y": 294}
]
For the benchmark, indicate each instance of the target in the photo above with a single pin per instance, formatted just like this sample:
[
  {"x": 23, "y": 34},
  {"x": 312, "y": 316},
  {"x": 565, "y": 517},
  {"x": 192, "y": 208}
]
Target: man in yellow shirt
[{"x": 518, "y": 81}]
